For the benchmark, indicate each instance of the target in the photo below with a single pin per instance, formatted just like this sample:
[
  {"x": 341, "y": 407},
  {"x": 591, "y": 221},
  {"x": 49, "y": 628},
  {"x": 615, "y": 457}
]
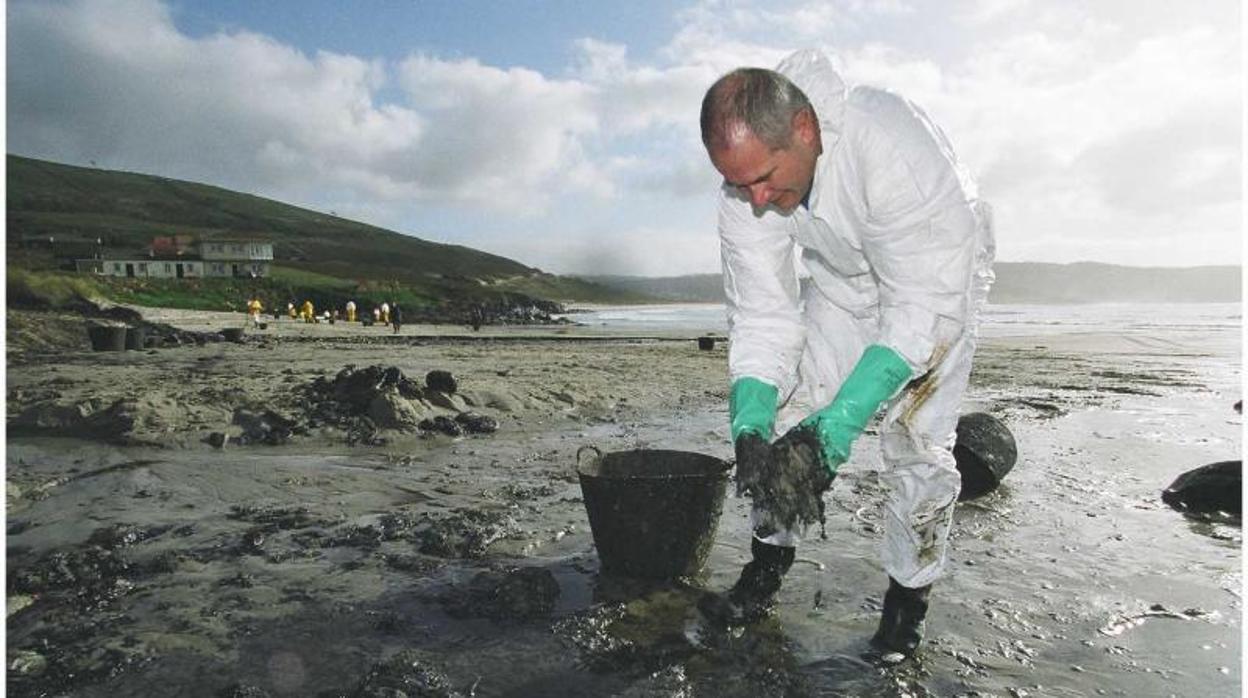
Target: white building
[
  {"x": 238, "y": 257},
  {"x": 216, "y": 258},
  {"x": 148, "y": 268}
]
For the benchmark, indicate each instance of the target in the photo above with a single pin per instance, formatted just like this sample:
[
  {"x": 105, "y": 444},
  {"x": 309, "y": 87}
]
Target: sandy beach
[{"x": 294, "y": 515}]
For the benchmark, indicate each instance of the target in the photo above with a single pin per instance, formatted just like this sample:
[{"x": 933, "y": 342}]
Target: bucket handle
[{"x": 583, "y": 449}]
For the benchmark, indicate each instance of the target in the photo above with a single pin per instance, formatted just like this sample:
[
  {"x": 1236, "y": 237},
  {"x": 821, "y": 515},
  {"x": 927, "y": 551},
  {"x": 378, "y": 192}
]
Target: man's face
[{"x": 765, "y": 176}]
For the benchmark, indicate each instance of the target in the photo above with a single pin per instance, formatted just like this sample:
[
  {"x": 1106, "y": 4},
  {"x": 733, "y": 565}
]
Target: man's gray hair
[{"x": 763, "y": 101}]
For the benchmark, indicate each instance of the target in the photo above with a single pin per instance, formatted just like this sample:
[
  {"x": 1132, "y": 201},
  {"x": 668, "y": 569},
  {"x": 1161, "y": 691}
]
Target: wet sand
[{"x": 156, "y": 564}]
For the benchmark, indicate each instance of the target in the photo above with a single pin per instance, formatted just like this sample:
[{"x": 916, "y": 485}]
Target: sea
[{"x": 1004, "y": 320}]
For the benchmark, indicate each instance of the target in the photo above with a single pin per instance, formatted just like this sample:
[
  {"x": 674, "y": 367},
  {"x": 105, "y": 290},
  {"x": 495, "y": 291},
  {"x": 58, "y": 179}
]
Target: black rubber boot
[
  {"x": 901, "y": 623},
  {"x": 754, "y": 594}
]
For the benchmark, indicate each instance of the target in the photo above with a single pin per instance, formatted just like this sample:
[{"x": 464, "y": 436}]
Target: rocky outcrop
[
  {"x": 368, "y": 401},
  {"x": 1209, "y": 489}
]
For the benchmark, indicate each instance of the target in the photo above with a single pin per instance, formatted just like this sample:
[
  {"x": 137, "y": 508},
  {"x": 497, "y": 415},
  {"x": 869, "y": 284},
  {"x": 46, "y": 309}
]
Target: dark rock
[
  {"x": 405, "y": 675},
  {"x": 357, "y": 388},
  {"x": 90, "y": 578},
  {"x": 1208, "y": 489},
  {"x": 241, "y": 690},
  {"x": 396, "y": 526},
  {"x": 365, "y": 401},
  {"x": 985, "y": 452},
  {"x": 517, "y": 492},
  {"x": 279, "y": 518},
  {"x": 83, "y": 418},
  {"x": 442, "y": 424},
  {"x": 263, "y": 427},
  {"x": 441, "y": 381},
  {"x": 362, "y": 431},
  {"x": 467, "y": 533},
  {"x": 475, "y": 423},
  {"x": 123, "y": 535},
  {"x": 239, "y": 581},
  {"x": 415, "y": 564},
  {"x": 254, "y": 538},
  {"x": 161, "y": 563},
  {"x": 410, "y": 389},
  {"x": 390, "y": 410},
  {"x": 448, "y": 401},
  {"x": 389, "y": 622},
  {"x": 217, "y": 439},
  {"x": 391, "y": 376},
  {"x": 354, "y": 536},
  {"x": 518, "y": 593}
]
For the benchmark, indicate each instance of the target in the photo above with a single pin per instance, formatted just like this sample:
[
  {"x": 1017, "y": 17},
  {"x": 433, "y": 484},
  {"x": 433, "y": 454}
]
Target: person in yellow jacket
[
  {"x": 309, "y": 314},
  {"x": 350, "y": 311},
  {"x": 254, "y": 308},
  {"x": 385, "y": 313}
]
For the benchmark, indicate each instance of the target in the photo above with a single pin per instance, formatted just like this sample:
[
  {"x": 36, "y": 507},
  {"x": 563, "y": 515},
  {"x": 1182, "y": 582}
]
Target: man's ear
[{"x": 806, "y": 126}]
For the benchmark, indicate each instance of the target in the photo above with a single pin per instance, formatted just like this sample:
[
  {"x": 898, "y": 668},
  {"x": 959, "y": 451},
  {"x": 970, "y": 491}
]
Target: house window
[
  {"x": 117, "y": 267},
  {"x": 143, "y": 267},
  {"x": 168, "y": 267}
]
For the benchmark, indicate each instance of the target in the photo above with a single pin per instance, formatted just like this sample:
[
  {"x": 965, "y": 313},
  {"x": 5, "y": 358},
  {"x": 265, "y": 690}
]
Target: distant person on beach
[
  {"x": 254, "y": 308},
  {"x": 385, "y": 313},
  {"x": 396, "y": 317},
  {"x": 350, "y": 311},
  {"x": 897, "y": 250}
]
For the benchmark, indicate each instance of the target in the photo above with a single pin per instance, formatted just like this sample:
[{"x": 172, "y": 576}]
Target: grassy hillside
[{"x": 77, "y": 205}]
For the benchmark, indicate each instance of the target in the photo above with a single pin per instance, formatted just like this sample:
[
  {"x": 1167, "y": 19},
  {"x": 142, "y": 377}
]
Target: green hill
[{"x": 75, "y": 206}]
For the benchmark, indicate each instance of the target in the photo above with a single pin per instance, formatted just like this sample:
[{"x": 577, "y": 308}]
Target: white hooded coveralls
[{"x": 897, "y": 250}]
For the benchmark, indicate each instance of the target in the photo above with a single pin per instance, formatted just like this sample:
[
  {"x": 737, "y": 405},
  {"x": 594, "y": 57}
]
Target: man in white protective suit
[{"x": 861, "y": 191}]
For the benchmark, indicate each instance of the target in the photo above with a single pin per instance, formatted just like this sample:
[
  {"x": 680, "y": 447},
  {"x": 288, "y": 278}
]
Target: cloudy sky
[{"x": 563, "y": 133}]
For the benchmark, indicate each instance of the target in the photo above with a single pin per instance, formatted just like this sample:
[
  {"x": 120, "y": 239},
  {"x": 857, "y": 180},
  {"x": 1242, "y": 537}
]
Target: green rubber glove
[
  {"x": 877, "y": 377},
  {"x": 752, "y": 408}
]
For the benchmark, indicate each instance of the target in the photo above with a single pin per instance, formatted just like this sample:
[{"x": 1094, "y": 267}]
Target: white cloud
[
  {"x": 633, "y": 98},
  {"x": 985, "y": 11},
  {"x": 115, "y": 82},
  {"x": 507, "y": 136},
  {"x": 1098, "y": 130}
]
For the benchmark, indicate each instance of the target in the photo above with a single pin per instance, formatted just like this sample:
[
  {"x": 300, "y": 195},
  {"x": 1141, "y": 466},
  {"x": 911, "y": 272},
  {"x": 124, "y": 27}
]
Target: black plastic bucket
[
  {"x": 136, "y": 337},
  {"x": 653, "y": 513},
  {"x": 107, "y": 337},
  {"x": 706, "y": 343},
  {"x": 985, "y": 452}
]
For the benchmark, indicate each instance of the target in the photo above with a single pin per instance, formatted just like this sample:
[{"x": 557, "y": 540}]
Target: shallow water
[{"x": 296, "y": 573}]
